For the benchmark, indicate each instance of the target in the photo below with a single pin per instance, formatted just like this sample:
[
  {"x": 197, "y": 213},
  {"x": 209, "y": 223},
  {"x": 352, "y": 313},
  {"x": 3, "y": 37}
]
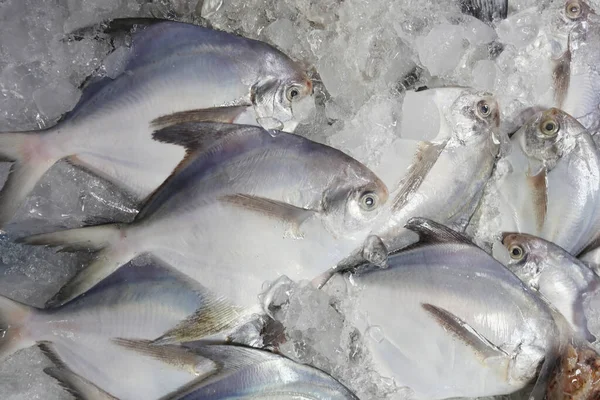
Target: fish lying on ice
[
  {"x": 448, "y": 320},
  {"x": 176, "y": 72},
  {"x": 446, "y": 179},
  {"x": 242, "y": 373},
  {"x": 547, "y": 186},
  {"x": 559, "y": 277},
  {"x": 245, "y": 206},
  {"x": 152, "y": 302}
]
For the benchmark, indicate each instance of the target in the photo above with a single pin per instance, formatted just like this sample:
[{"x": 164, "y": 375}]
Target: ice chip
[
  {"x": 442, "y": 48},
  {"x": 519, "y": 29},
  {"x": 54, "y": 100},
  {"x": 282, "y": 34},
  {"x": 209, "y": 7},
  {"x": 484, "y": 74}
]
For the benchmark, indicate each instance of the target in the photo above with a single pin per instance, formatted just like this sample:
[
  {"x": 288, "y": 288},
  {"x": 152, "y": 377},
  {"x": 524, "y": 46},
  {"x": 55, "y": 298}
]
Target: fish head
[
  {"x": 475, "y": 117},
  {"x": 354, "y": 201},
  {"x": 563, "y": 18},
  {"x": 527, "y": 256},
  {"x": 282, "y": 102},
  {"x": 547, "y": 137}
]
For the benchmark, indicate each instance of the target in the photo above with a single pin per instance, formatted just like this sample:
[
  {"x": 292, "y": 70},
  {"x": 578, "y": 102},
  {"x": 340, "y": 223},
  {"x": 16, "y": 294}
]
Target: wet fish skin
[
  {"x": 446, "y": 179},
  {"x": 467, "y": 327},
  {"x": 237, "y": 182},
  {"x": 176, "y": 71},
  {"x": 544, "y": 175},
  {"x": 560, "y": 278},
  {"x": 151, "y": 301},
  {"x": 248, "y": 373}
]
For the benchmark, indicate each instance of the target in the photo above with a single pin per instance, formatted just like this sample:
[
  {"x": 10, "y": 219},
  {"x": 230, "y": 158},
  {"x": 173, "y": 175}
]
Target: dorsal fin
[
  {"x": 197, "y": 138},
  {"x": 431, "y": 232}
]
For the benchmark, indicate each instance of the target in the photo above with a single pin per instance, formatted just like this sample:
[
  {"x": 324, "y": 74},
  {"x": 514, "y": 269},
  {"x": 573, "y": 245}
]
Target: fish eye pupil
[
  {"x": 516, "y": 252},
  {"x": 368, "y": 201},
  {"x": 294, "y": 93},
  {"x": 549, "y": 126},
  {"x": 484, "y": 108}
]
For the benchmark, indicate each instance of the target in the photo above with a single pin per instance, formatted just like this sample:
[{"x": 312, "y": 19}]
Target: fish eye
[
  {"x": 573, "y": 9},
  {"x": 292, "y": 93},
  {"x": 368, "y": 201},
  {"x": 549, "y": 127},
  {"x": 516, "y": 252},
  {"x": 483, "y": 109}
]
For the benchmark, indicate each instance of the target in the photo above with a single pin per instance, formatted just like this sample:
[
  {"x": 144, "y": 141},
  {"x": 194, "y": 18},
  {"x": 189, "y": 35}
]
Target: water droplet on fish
[{"x": 375, "y": 333}]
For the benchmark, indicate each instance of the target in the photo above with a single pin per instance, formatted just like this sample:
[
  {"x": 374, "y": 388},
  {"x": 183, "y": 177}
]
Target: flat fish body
[{"x": 447, "y": 320}]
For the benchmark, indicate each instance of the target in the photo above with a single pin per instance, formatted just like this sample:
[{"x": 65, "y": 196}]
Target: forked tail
[
  {"x": 31, "y": 158},
  {"x": 108, "y": 240},
  {"x": 14, "y": 334}
]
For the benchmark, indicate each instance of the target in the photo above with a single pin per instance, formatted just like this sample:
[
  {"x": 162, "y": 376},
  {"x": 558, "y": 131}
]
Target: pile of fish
[{"x": 471, "y": 273}]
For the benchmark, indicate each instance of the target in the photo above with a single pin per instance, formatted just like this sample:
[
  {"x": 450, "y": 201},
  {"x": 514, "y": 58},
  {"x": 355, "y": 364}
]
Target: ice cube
[{"x": 442, "y": 48}]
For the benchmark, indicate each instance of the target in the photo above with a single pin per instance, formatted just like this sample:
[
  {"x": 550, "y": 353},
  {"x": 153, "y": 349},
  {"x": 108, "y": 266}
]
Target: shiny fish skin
[
  {"x": 548, "y": 186},
  {"x": 517, "y": 327},
  {"x": 175, "y": 68},
  {"x": 446, "y": 179},
  {"x": 143, "y": 302},
  {"x": 247, "y": 373},
  {"x": 559, "y": 277},
  {"x": 246, "y": 194}
]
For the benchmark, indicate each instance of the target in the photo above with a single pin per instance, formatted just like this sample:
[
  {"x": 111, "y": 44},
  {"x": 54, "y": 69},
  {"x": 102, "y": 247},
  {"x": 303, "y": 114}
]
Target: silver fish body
[
  {"x": 243, "y": 202},
  {"x": 151, "y": 302},
  {"x": 447, "y": 320},
  {"x": 176, "y": 72},
  {"x": 240, "y": 373},
  {"x": 559, "y": 277},
  {"x": 547, "y": 186},
  {"x": 249, "y": 374},
  {"x": 446, "y": 179}
]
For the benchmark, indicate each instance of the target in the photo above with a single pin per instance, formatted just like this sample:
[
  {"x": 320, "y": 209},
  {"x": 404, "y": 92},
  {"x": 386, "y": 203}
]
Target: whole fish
[
  {"x": 446, "y": 179},
  {"x": 547, "y": 186},
  {"x": 176, "y": 72},
  {"x": 245, "y": 206},
  {"x": 151, "y": 301},
  {"x": 242, "y": 373},
  {"x": 576, "y": 76},
  {"x": 561, "y": 279},
  {"x": 447, "y": 320}
]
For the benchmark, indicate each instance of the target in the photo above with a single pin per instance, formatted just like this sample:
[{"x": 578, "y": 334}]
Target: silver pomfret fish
[
  {"x": 244, "y": 200},
  {"x": 241, "y": 373},
  {"x": 559, "y": 277},
  {"x": 176, "y": 72},
  {"x": 548, "y": 186},
  {"x": 446, "y": 179},
  {"x": 447, "y": 320},
  {"x": 151, "y": 301}
]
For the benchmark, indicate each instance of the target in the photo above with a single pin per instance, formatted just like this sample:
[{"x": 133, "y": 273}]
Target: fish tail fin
[
  {"x": 13, "y": 319},
  {"x": 31, "y": 157},
  {"x": 113, "y": 251}
]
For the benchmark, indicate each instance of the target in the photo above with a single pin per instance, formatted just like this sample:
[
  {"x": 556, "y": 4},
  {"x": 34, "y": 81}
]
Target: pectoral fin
[
  {"x": 292, "y": 215},
  {"x": 426, "y": 156},
  {"x": 561, "y": 75},
  {"x": 465, "y": 333},
  {"x": 539, "y": 195},
  {"x": 216, "y": 114},
  {"x": 174, "y": 355}
]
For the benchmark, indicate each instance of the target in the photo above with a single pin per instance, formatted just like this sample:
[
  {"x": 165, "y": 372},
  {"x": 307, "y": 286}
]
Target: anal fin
[
  {"x": 465, "y": 333},
  {"x": 174, "y": 355},
  {"x": 290, "y": 214}
]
